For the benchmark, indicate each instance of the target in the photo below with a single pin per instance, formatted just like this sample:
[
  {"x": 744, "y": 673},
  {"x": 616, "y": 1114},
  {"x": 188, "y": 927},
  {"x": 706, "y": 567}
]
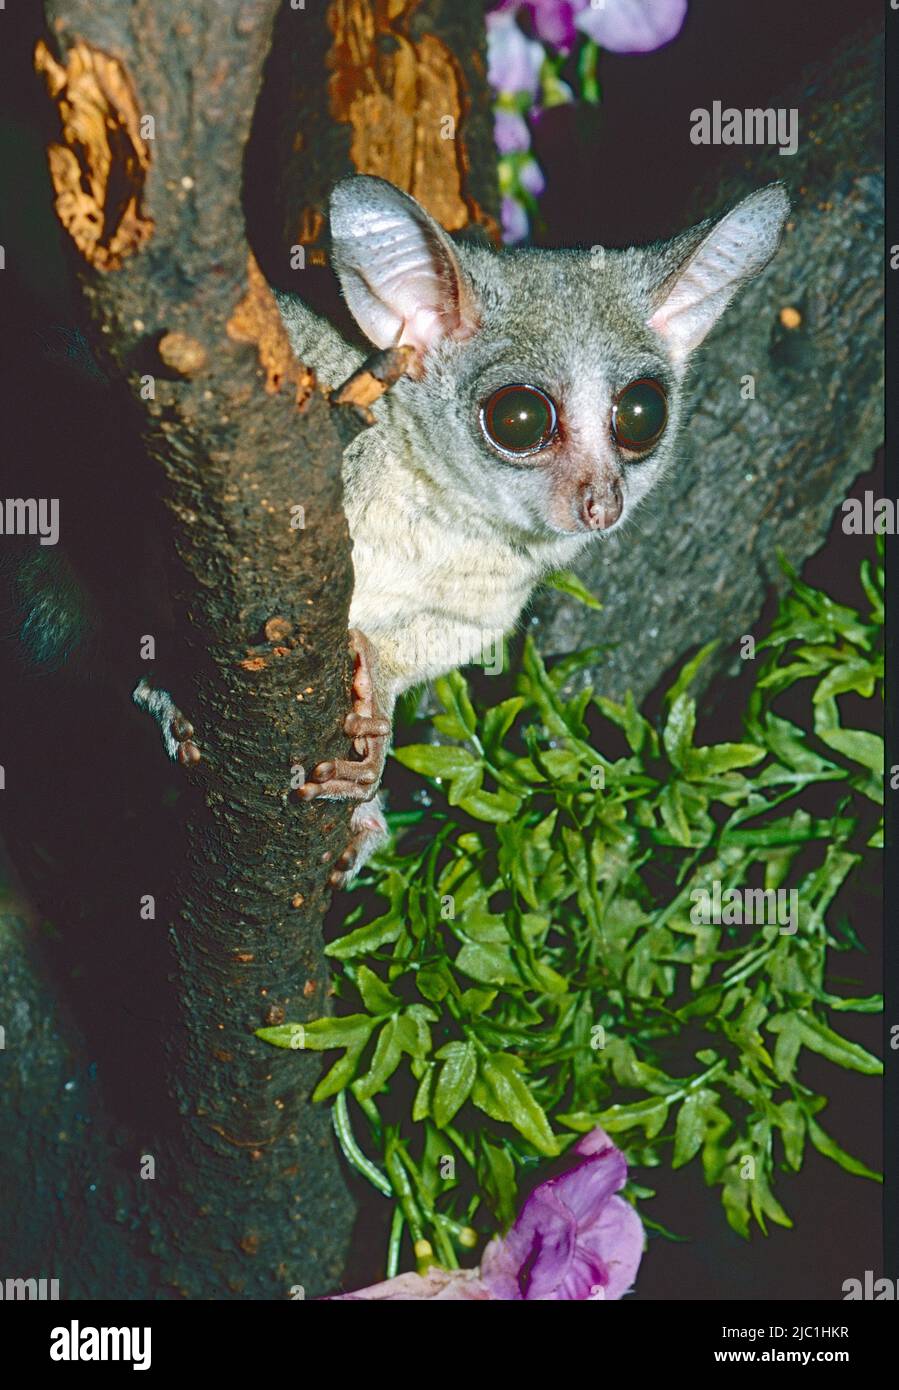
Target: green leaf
[
  {"x": 461, "y": 769},
  {"x": 671, "y": 806},
  {"x": 859, "y": 675},
  {"x": 499, "y": 720},
  {"x": 434, "y": 759},
  {"x": 434, "y": 982},
  {"x": 457, "y": 1077},
  {"x": 686, "y": 675},
  {"x": 498, "y": 1176},
  {"x": 638, "y": 731},
  {"x": 591, "y": 90},
  {"x": 792, "y": 1121},
  {"x": 788, "y": 744},
  {"x": 489, "y": 964},
  {"x": 701, "y": 763},
  {"x": 477, "y": 1001},
  {"x": 495, "y": 807},
  {"x": 368, "y": 938},
  {"x": 764, "y": 1203},
  {"x": 680, "y": 726},
  {"x": 376, "y": 996},
  {"x": 560, "y": 764},
  {"x": 459, "y": 721},
  {"x": 568, "y": 583},
  {"x": 831, "y": 1149},
  {"x": 502, "y": 1093},
  {"x": 342, "y": 1072},
  {"x": 690, "y": 1130},
  {"x": 319, "y": 1034},
  {"x": 386, "y": 1059},
  {"x": 861, "y": 747},
  {"x": 650, "y": 1115},
  {"x": 819, "y": 1038},
  {"x": 808, "y": 1031},
  {"x": 413, "y": 1032},
  {"x": 735, "y": 1199},
  {"x": 871, "y": 1004},
  {"x": 421, "y": 1106}
]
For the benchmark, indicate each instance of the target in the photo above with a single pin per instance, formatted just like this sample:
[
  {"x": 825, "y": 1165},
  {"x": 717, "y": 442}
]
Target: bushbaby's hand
[
  {"x": 177, "y": 731},
  {"x": 345, "y": 779}
]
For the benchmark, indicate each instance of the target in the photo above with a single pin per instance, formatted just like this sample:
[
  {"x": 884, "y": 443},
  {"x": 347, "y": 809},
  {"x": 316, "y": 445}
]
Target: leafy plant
[{"x": 539, "y": 966}]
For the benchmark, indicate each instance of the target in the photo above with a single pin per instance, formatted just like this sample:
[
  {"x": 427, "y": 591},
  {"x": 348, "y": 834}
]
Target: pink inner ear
[
  {"x": 399, "y": 271},
  {"x": 422, "y": 329},
  {"x": 658, "y": 322}
]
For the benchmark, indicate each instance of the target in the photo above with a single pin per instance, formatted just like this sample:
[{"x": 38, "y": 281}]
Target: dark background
[
  {"x": 623, "y": 172},
  {"x": 619, "y": 174}
]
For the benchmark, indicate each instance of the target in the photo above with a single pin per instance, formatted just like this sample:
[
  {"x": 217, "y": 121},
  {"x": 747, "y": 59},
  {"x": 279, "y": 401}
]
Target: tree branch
[
  {"x": 152, "y": 113},
  {"x": 262, "y": 605}
]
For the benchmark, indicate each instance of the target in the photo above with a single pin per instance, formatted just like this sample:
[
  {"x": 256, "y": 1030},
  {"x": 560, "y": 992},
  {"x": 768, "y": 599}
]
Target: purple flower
[
  {"x": 530, "y": 176},
  {"x": 510, "y": 132},
  {"x": 514, "y": 220},
  {"x": 632, "y": 26},
  {"x": 574, "y": 1239},
  {"x": 513, "y": 60},
  {"x": 553, "y": 20}
]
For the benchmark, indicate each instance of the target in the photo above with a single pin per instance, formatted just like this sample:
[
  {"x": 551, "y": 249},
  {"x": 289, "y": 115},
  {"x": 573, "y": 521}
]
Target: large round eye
[
  {"x": 639, "y": 414},
  {"x": 518, "y": 419}
]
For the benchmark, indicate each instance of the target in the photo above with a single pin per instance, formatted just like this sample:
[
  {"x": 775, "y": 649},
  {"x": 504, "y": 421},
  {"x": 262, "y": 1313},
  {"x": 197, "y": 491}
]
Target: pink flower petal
[
  {"x": 514, "y": 221},
  {"x": 573, "y": 1236},
  {"x": 618, "y": 1236},
  {"x": 573, "y": 1240},
  {"x": 632, "y": 26},
  {"x": 442, "y": 1285},
  {"x": 513, "y": 60}
]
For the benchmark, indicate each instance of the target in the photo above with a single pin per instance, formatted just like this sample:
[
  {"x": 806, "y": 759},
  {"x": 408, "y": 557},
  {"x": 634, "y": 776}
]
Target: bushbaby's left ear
[
  {"x": 737, "y": 248},
  {"x": 398, "y": 269}
]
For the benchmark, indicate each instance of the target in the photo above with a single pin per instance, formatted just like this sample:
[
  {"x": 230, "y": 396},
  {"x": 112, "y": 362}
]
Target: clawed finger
[{"x": 358, "y": 725}]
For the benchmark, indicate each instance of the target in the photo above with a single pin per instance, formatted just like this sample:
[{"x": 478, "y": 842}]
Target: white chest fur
[{"x": 433, "y": 590}]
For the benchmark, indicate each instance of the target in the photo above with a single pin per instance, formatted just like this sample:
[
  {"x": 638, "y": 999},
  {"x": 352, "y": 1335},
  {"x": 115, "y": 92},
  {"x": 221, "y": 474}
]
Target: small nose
[{"x": 601, "y": 505}]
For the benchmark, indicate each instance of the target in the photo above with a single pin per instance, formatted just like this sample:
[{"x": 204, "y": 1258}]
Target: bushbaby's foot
[
  {"x": 177, "y": 731},
  {"x": 345, "y": 779},
  {"x": 368, "y": 831}
]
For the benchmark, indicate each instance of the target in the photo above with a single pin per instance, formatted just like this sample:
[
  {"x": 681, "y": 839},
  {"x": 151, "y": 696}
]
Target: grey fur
[
  {"x": 450, "y": 535},
  {"x": 447, "y": 534},
  {"x": 161, "y": 707}
]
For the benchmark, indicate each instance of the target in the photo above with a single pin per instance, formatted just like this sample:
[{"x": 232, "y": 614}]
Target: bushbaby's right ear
[
  {"x": 730, "y": 252},
  {"x": 398, "y": 269}
]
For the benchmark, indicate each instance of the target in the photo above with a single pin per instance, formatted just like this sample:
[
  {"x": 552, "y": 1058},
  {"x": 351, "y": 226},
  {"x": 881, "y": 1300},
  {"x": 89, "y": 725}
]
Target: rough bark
[
  {"x": 248, "y": 1199},
  {"x": 185, "y": 307},
  {"x": 764, "y": 475}
]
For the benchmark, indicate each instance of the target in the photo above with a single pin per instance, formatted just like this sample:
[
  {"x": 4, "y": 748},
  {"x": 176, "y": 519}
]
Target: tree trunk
[{"x": 153, "y": 110}]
